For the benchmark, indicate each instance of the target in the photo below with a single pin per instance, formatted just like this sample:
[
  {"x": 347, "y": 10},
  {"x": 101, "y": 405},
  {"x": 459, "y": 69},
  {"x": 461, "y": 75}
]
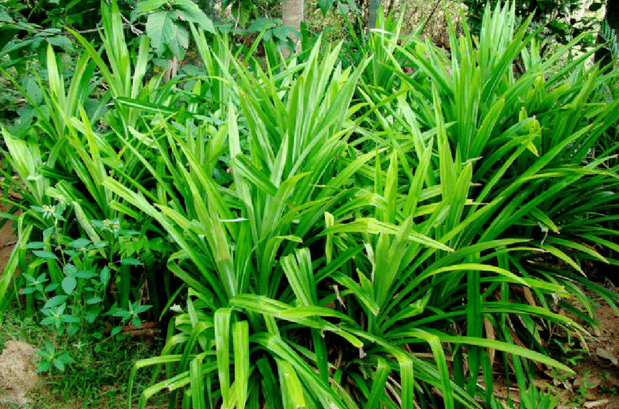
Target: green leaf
[
  {"x": 378, "y": 392},
  {"x": 159, "y": 108},
  {"x": 5, "y": 18},
  {"x": 373, "y": 226},
  {"x": 66, "y": 359},
  {"x": 191, "y": 12},
  {"x": 51, "y": 287},
  {"x": 47, "y": 233},
  {"x": 177, "y": 40},
  {"x": 61, "y": 41},
  {"x": 70, "y": 319},
  {"x": 46, "y": 255},
  {"x": 543, "y": 218},
  {"x": 314, "y": 311},
  {"x": 242, "y": 11},
  {"x": 504, "y": 346},
  {"x": 30, "y": 278},
  {"x": 260, "y": 24},
  {"x": 59, "y": 364},
  {"x": 69, "y": 284},
  {"x": 242, "y": 361},
  {"x": 27, "y": 290},
  {"x": 155, "y": 25},
  {"x": 85, "y": 274},
  {"x": 222, "y": 342},
  {"x": 48, "y": 321},
  {"x": 275, "y": 345},
  {"x": 562, "y": 256},
  {"x": 55, "y": 301},
  {"x": 141, "y": 308},
  {"x": 121, "y": 313},
  {"x": 300, "y": 276},
  {"x": 150, "y": 5},
  {"x": 105, "y": 275},
  {"x": 79, "y": 243},
  {"x": 70, "y": 269},
  {"x": 291, "y": 385},
  {"x": 325, "y": 5},
  {"x": 100, "y": 245},
  {"x": 130, "y": 262},
  {"x": 441, "y": 361}
]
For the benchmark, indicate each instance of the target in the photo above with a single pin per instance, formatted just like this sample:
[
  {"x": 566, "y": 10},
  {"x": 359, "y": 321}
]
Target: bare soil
[
  {"x": 595, "y": 362},
  {"x": 17, "y": 373},
  {"x": 7, "y": 239},
  {"x": 17, "y": 369},
  {"x": 596, "y": 382}
]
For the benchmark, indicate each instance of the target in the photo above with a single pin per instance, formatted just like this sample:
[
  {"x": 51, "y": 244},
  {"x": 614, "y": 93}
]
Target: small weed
[
  {"x": 612, "y": 390},
  {"x": 76, "y": 296},
  {"x": 581, "y": 393},
  {"x": 568, "y": 351},
  {"x": 49, "y": 358},
  {"x": 538, "y": 399},
  {"x": 560, "y": 375},
  {"x": 609, "y": 390}
]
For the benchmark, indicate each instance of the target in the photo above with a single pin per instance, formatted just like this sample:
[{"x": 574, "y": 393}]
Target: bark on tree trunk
[
  {"x": 292, "y": 16},
  {"x": 603, "y": 55},
  {"x": 372, "y": 13}
]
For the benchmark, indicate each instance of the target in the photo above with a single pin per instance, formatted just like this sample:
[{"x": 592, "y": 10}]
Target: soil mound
[{"x": 17, "y": 372}]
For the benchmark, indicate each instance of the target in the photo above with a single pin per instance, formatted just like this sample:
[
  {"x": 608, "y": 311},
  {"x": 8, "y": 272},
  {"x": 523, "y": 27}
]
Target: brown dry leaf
[
  {"x": 528, "y": 295},
  {"x": 598, "y": 331},
  {"x": 597, "y": 403},
  {"x": 541, "y": 385},
  {"x": 491, "y": 335}
]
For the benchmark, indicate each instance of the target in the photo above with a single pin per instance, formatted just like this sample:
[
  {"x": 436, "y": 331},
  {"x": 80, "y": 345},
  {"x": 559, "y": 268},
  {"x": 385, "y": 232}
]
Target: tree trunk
[
  {"x": 292, "y": 16},
  {"x": 372, "y": 13},
  {"x": 604, "y": 55}
]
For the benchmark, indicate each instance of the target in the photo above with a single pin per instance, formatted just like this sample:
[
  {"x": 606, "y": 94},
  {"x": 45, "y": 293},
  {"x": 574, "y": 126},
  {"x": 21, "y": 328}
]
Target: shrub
[
  {"x": 557, "y": 17},
  {"x": 333, "y": 260},
  {"x": 346, "y": 237}
]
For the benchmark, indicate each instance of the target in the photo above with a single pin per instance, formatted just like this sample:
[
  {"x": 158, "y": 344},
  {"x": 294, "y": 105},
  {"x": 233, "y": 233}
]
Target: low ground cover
[{"x": 97, "y": 379}]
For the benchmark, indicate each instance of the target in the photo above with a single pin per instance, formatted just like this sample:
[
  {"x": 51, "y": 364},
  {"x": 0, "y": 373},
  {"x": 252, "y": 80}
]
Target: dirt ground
[
  {"x": 17, "y": 374},
  {"x": 598, "y": 372},
  {"x": 595, "y": 383},
  {"x": 7, "y": 239}
]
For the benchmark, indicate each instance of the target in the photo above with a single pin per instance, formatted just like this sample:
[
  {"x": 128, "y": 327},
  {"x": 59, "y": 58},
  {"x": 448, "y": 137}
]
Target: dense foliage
[
  {"x": 381, "y": 234},
  {"x": 559, "y": 18}
]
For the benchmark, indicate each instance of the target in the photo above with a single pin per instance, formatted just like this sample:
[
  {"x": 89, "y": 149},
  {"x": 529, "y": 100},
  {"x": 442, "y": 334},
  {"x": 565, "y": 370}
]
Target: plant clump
[{"x": 379, "y": 223}]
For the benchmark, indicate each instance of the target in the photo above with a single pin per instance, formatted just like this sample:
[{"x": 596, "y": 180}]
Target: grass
[{"x": 100, "y": 375}]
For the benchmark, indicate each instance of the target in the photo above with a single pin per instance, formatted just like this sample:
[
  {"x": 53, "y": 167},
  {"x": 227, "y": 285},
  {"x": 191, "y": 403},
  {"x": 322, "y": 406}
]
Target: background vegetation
[{"x": 373, "y": 222}]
